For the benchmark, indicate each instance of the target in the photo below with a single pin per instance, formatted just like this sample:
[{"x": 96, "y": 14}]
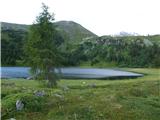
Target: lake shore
[{"x": 85, "y": 99}]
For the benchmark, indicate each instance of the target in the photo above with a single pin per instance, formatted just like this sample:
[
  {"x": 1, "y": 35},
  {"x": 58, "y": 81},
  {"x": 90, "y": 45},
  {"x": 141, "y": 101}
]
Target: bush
[{"x": 31, "y": 103}]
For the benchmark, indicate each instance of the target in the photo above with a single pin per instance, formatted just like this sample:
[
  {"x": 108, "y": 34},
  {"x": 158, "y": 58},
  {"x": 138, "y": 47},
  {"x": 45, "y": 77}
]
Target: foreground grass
[{"x": 129, "y": 99}]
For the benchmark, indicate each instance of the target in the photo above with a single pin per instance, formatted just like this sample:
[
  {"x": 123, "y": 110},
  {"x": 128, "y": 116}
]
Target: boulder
[
  {"x": 29, "y": 78},
  {"x": 64, "y": 88},
  {"x": 19, "y": 105},
  {"x": 59, "y": 96},
  {"x": 39, "y": 93},
  {"x": 84, "y": 82},
  {"x": 12, "y": 119}
]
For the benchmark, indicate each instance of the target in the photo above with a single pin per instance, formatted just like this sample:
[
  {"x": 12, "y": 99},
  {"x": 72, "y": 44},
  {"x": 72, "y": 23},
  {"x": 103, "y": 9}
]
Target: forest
[{"x": 103, "y": 51}]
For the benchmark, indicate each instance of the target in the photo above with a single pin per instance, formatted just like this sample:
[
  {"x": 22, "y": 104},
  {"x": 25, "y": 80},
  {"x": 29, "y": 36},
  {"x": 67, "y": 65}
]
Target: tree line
[
  {"x": 122, "y": 51},
  {"x": 131, "y": 51}
]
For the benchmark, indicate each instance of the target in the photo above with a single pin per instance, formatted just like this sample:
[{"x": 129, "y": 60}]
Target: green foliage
[
  {"x": 82, "y": 46},
  {"x": 12, "y": 42},
  {"x": 42, "y": 48},
  {"x": 31, "y": 103},
  {"x": 123, "y": 51}
]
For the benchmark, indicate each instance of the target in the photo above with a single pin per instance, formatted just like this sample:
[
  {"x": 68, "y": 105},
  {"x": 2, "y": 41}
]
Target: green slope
[
  {"x": 129, "y": 99},
  {"x": 13, "y": 26},
  {"x": 71, "y": 31},
  {"x": 75, "y": 31}
]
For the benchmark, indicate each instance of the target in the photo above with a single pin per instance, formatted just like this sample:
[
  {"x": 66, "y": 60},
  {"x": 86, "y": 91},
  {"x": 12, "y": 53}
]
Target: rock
[
  {"x": 39, "y": 93},
  {"x": 80, "y": 97},
  {"x": 65, "y": 88},
  {"x": 19, "y": 105},
  {"x": 24, "y": 88},
  {"x": 59, "y": 96},
  {"x": 29, "y": 78},
  {"x": 117, "y": 106},
  {"x": 12, "y": 119},
  {"x": 84, "y": 82}
]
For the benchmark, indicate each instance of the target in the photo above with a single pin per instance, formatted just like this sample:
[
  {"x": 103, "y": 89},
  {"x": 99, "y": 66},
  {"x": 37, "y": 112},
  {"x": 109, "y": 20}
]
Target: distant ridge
[
  {"x": 74, "y": 30},
  {"x": 13, "y": 26},
  {"x": 123, "y": 33},
  {"x": 70, "y": 30}
]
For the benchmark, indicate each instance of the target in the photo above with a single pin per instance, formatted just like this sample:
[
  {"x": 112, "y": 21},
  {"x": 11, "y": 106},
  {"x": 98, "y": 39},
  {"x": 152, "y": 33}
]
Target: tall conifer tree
[{"x": 42, "y": 48}]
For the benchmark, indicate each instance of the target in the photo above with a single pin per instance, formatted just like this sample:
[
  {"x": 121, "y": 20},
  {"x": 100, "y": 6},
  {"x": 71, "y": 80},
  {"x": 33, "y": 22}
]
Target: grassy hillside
[
  {"x": 82, "y": 47},
  {"x": 129, "y": 99},
  {"x": 74, "y": 31},
  {"x": 70, "y": 30},
  {"x": 13, "y": 37},
  {"x": 126, "y": 51},
  {"x": 14, "y": 26}
]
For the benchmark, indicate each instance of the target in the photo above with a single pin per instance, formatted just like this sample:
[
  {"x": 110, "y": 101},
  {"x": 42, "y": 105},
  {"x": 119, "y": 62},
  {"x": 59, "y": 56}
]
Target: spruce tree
[{"x": 42, "y": 48}]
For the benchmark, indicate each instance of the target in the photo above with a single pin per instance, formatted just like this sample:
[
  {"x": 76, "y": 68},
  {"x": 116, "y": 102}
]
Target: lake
[{"x": 71, "y": 72}]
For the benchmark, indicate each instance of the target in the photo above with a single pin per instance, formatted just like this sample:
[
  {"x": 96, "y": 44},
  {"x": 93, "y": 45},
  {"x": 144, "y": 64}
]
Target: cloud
[{"x": 100, "y": 16}]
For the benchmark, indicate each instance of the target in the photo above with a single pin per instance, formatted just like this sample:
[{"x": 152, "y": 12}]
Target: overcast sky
[{"x": 103, "y": 17}]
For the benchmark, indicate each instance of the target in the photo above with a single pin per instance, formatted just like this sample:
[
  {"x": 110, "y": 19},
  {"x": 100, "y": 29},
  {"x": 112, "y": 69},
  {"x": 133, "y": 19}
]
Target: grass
[{"x": 129, "y": 99}]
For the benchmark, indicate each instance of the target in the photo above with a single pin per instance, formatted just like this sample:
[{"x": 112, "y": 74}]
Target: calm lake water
[{"x": 92, "y": 73}]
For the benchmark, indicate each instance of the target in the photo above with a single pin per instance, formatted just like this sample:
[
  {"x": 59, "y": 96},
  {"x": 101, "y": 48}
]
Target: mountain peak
[
  {"x": 70, "y": 30},
  {"x": 123, "y": 33}
]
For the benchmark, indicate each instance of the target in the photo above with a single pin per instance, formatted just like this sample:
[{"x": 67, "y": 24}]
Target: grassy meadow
[{"x": 128, "y": 99}]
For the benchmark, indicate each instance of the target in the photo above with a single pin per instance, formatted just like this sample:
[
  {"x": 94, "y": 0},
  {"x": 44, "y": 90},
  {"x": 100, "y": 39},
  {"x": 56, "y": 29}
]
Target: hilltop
[{"x": 71, "y": 31}]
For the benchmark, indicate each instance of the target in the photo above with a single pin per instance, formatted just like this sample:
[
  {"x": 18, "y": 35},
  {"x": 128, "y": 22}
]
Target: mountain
[
  {"x": 13, "y": 26},
  {"x": 75, "y": 31},
  {"x": 71, "y": 31},
  {"x": 123, "y": 33}
]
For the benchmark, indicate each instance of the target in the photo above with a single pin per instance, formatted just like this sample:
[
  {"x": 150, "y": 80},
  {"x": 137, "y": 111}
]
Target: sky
[{"x": 102, "y": 17}]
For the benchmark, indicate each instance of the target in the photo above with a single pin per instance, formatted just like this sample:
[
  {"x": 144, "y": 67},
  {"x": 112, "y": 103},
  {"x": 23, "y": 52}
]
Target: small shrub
[{"x": 31, "y": 103}]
